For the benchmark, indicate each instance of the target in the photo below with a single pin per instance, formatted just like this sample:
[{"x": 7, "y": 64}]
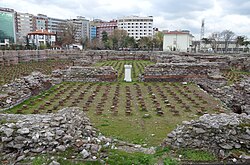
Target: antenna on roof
[{"x": 202, "y": 29}]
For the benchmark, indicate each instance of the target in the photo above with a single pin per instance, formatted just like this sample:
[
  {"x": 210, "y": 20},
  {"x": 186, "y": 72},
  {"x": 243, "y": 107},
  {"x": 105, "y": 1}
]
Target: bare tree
[
  {"x": 227, "y": 36},
  {"x": 68, "y": 34},
  {"x": 214, "y": 40}
]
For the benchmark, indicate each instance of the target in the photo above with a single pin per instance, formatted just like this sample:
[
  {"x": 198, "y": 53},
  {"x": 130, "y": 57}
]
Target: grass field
[
  {"x": 137, "y": 112},
  {"x": 233, "y": 76},
  {"x": 10, "y": 73},
  {"x": 145, "y": 112},
  {"x": 137, "y": 67}
]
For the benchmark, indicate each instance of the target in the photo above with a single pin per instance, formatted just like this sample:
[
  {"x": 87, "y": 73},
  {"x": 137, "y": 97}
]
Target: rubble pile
[
  {"x": 21, "y": 89},
  {"x": 236, "y": 96},
  {"x": 216, "y": 133},
  {"x": 25, "y": 135}
]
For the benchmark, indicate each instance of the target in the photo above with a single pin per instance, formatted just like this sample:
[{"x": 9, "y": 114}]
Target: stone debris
[
  {"x": 86, "y": 74},
  {"x": 25, "y": 135},
  {"x": 236, "y": 96},
  {"x": 21, "y": 89},
  {"x": 216, "y": 133}
]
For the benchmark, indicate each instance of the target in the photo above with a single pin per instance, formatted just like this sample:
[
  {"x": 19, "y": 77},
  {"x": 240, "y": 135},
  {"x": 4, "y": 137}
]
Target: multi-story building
[
  {"x": 24, "y": 25},
  {"x": 82, "y": 28},
  {"x": 177, "y": 41},
  {"x": 55, "y": 25},
  {"x": 108, "y": 27},
  {"x": 7, "y": 26},
  {"x": 136, "y": 26},
  {"x": 40, "y": 22},
  {"x": 92, "y": 32}
]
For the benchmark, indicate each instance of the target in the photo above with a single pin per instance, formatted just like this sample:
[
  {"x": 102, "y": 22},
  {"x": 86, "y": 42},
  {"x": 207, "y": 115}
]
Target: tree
[
  {"x": 227, "y": 36},
  {"x": 118, "y": 38},
  {"x": 240, "y": 41},
  {"x": 68, "y": 35},
  {"x": 214, "y": 40},
  {"x": 129, "y": 42},
  {"x": 145, "y": 43},
  {"x": 158, "y": 40},
  {"x": 96, "y": 44}
]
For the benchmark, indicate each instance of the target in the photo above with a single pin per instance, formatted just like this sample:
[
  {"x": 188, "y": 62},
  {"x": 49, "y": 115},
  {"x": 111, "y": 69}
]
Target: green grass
[
  {"x": 233, "y": 76},
  {"x": 162, "y": 155},
  {"x": 197, "y": 155},
  {"x": 117, "y": 157},
  {"x": 10, "y": 73},
  {"x": 134, "y": 128},
  {"x": 137, "y": 67}
]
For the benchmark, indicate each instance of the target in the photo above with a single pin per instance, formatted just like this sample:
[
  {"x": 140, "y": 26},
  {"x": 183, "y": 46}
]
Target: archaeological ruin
[{"x": 227, "y": 129}]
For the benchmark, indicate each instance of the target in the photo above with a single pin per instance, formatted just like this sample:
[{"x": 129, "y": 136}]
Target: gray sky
[{"x": 168, "y": 14}]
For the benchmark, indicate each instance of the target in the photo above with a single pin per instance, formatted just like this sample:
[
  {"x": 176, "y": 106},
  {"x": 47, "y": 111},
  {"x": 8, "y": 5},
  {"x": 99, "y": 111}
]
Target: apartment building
[
  {"x": 82, "y": 26},
  {"x": 136, "y": 26},
  {"x": 40, "y": 22},
  {"x": 108, "y": 27},
  {"x": 55, "y": 24},
  {"x": 7, "y": 26},
  {"x": 24, "y": 25}
]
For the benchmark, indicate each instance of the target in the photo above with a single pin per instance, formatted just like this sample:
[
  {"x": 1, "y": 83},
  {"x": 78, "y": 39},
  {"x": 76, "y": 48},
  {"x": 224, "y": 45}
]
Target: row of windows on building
[
  {"x": 136, "y": 23},
  {"x": 129, "y": 27}
]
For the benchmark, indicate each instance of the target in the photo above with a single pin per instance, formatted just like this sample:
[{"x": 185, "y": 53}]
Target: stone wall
[
  {"x": 235, "y": 96},
  {"x": 15, "y": 57},
  {"x": 21, "y": 89},
  {"x": 180, "y": 72},
  {"x": 86, "y": 74},
  {"x": 217, "y": 133}
]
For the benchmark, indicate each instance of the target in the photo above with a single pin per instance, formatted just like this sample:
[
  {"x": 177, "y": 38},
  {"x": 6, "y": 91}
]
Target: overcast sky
[{"x": 168, "y": 14}]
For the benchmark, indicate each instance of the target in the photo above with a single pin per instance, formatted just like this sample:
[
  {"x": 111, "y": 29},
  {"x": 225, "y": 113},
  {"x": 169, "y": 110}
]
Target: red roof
[{"x": 41, "y": 32}]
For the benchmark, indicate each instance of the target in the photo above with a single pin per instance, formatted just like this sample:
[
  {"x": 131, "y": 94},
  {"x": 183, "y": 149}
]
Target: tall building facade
[
  {"x": 40, "y": 22},
  {"x": 24, "y": 25},
  {"x": 108, "y": 27},
  {"x": 82, "y": 28},
  {"x": 7, "y": 26},
  {"x": 55, "y": 24},
  {"x": 137, "y": 27},
  {"x": 92, "y": 31}
]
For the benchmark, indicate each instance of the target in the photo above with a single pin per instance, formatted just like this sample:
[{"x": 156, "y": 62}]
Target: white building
[
  {"x": 136, "y": 26},
  {"x": 42, "y": 37},
  {"x": 24, "y": 23},
  {"x": 177, "y": 41}
]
